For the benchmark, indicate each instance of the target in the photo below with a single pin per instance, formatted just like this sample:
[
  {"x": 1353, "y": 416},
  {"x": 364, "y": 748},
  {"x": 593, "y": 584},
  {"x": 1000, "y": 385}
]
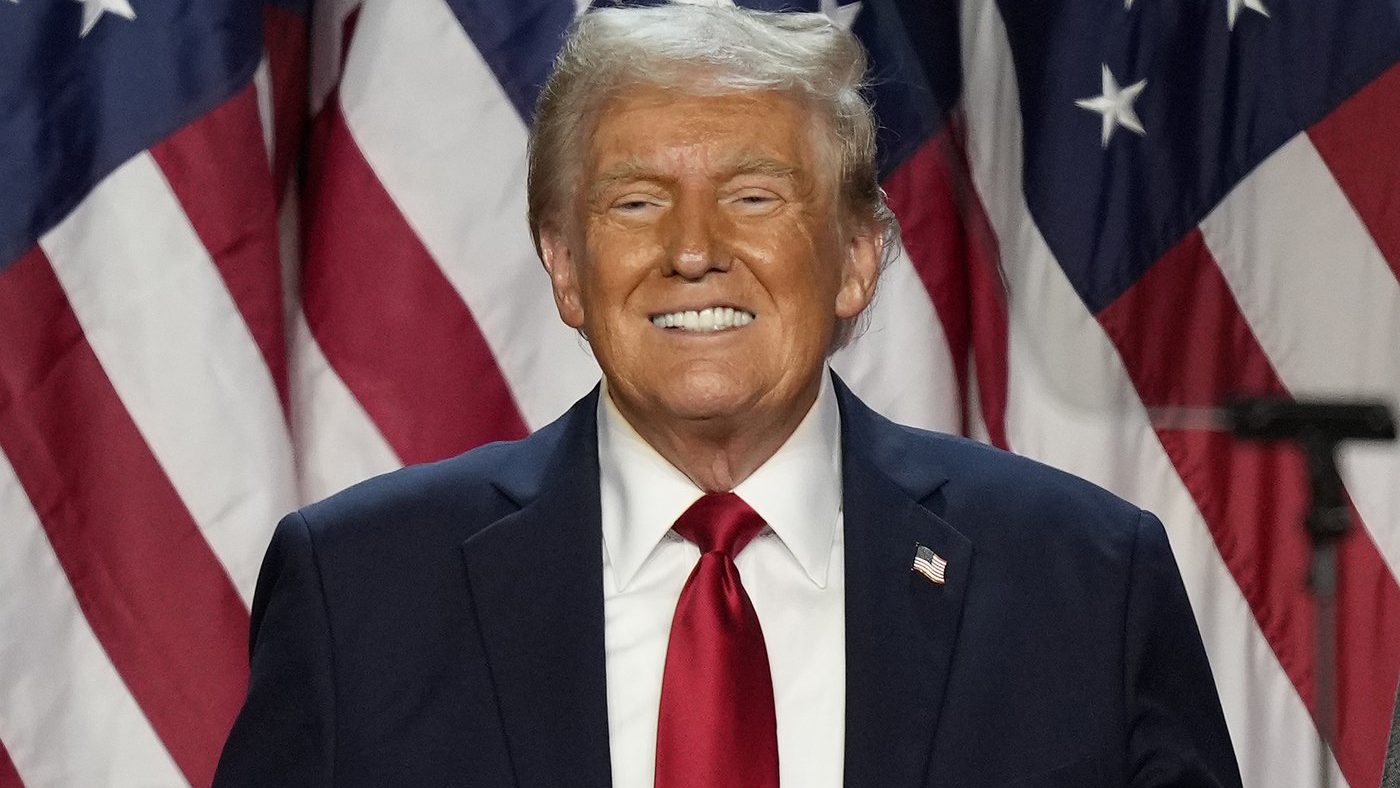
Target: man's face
[{"x": 707, "y": 264}]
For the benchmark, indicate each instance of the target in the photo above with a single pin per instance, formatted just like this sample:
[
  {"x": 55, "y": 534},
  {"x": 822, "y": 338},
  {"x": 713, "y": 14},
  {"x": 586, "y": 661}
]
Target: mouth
[{"x": 709, "y": 319}]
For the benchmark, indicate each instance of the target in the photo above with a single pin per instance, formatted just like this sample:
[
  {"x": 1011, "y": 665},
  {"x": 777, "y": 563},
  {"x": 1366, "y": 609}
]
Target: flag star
[
  {"x": 1116, "y": 106},
  {"x": 843, "y": 15},
  {"x": 1232, "y": 9},
  {"x": 94, "y": 9}
]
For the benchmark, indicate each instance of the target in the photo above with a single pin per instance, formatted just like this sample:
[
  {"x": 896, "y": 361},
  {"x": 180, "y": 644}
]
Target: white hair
[{"x": 707, "y": 50}]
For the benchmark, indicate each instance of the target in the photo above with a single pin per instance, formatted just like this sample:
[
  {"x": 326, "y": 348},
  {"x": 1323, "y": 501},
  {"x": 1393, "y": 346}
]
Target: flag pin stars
[{"x": 930, "y": 564}]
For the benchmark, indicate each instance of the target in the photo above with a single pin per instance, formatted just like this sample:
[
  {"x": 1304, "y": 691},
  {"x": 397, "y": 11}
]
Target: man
[{"x": 721, "y": 569}]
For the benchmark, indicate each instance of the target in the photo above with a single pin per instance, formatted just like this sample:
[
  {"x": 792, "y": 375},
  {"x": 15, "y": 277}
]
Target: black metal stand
[
  {"x": 1328, "y": 520},
  {"x": 1319, "y": 428}
]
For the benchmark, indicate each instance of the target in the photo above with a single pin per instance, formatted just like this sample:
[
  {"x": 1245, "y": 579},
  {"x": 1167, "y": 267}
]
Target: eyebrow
[
  {"x": 623, "y": 172},
  {"x": 632, "y": 170},
  {"x": 761, "y": 165}
]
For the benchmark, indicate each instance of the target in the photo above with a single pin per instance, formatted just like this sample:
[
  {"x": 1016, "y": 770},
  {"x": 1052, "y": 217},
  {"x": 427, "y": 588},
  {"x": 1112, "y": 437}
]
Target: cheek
[{"x": 608, "y": 279}]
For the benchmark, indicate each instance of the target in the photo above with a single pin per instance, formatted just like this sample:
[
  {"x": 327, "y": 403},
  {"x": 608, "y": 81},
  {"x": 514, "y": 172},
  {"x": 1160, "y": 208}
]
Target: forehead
[{"x": 650, "y": 125}]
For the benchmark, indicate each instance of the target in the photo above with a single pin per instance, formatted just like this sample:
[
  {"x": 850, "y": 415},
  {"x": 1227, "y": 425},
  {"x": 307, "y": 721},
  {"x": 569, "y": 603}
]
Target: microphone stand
[{"x": 1318, "y": 428}]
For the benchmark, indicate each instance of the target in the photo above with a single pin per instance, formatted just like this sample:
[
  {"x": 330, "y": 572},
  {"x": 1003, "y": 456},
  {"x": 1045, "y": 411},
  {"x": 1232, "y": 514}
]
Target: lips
[{"x": 717, "y": 318}]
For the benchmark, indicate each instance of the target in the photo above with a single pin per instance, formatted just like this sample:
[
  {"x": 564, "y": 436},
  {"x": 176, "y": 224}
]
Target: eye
[
  {"x": 753, "y": 201},
  {"x": 636, "y": 204}
]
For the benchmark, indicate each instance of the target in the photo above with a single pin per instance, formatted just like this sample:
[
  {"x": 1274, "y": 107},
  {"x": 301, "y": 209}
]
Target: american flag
[
  {"x": 930, "y": 564},
  {"x": 251, "y": 254}
]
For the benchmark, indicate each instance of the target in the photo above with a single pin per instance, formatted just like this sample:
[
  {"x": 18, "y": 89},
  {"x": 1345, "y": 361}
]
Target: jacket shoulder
[
  {"x": 460, "y": 495},
  {"x": 995, "y": 496}
]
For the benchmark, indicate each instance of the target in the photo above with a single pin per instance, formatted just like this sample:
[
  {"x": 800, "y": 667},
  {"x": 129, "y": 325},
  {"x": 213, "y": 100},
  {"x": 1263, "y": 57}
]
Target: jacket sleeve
[
  {"x": 284, "y": 734},
  {"x": 1176, "y": 729}
]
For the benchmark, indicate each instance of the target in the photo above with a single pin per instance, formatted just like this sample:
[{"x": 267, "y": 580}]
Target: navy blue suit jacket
[{"x": 443, "y": 625}]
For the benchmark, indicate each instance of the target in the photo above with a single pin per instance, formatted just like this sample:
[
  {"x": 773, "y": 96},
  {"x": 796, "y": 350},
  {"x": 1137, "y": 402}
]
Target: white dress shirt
[{"x": 793, "y": 571}]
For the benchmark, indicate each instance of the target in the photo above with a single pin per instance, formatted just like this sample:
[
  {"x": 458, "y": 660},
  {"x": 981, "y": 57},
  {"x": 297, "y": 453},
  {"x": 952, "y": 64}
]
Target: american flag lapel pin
[{"x": 930, "y": 564}]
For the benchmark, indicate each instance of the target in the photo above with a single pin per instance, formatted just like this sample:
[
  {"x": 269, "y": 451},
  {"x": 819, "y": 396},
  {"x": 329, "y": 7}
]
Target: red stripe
[
  {"x": 1185, "y": 342},
  {"x": 920, "y": 192},
  {"x": 954, "y": 251},
  {"x": 990, "y": 322},
  {"x": 152, "y": 590},
  {"x": 285, "y": 38},
  {"x": 217, "y": 167},
  {"x": 387, "y": 318},
  {"x": 1360, "y": 141},
  {"x": 9, "y": 776}
]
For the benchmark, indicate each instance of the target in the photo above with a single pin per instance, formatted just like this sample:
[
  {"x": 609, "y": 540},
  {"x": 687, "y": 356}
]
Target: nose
[{"x": 694, "y": 248}]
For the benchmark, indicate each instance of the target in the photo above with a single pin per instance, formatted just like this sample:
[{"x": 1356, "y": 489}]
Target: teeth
[{"x": 715, "y": 318}]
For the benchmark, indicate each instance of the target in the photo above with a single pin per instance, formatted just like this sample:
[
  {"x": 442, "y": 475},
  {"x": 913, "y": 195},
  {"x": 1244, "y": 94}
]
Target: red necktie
[{"x": 717, "y": 726}]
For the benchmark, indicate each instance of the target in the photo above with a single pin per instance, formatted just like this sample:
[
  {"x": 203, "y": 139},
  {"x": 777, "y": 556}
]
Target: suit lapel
[
  {"x": 900, "y": 627},
  {"x": 535, "y": 581}
]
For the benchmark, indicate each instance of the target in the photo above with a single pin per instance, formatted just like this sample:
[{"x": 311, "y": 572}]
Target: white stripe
[
  {"x": 337, "y": 444},
  {"x": 901, "y": 365},
  {"x": 1072, "y": 404},
  {"x": 262, "y": 84},
  {"x": 1323, "y": 303},
  {"x": 929, "y": 572},
  {"x": 434, "y": 124},
  {"x": 66, "y": 717},
  {"x": 976, "y": 420},
  {"x": 180, "y": 357}
]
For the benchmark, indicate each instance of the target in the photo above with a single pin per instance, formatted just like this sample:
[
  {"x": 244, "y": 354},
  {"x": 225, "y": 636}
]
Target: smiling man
[{"x": 720, "y": 568}]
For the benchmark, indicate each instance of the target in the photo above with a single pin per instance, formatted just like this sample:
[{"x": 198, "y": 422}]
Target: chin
[{"x": 708, "y": 397}]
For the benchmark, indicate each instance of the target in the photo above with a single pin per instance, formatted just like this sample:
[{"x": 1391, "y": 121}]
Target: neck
[{"x": 719, "y": 453}]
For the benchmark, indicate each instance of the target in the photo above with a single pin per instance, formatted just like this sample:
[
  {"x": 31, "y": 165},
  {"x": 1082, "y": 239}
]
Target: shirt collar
[{"x": 797, "y": 491}]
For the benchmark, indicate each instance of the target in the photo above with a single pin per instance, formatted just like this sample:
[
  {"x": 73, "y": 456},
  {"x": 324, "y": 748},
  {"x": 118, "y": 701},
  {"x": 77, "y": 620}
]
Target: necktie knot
[{"x": 720, "y": 522}]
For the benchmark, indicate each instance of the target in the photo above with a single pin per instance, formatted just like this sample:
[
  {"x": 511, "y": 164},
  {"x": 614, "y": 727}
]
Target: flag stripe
[
  {"x": 285, "y": 39},
  {"x": 337, "y": 444},
  {"x": 217, "y": 153},
  {"x": 921, "y": 195},
  {"x": 1252, "y": 497},
  {"x": 1360, "y": 141},
  {"x": 952, "y": 248},
  {"x": 1322, "y": 301},
  {"x": 149, "y": 586},
  {"x": 262, "y": 88},
  {"x": 67, "y": 717},
  {"x": 1071, "y": 404},
  {"x": 333, "y": 24},
  {"x": 173, "y": 343},
  {"x": 924, "y": 394},
  {"x": 449, "y": 149},
  {"x": 920, "y": 192},
  {"x": 388, "y": 321},
  {"x": 9, "y": 778}
]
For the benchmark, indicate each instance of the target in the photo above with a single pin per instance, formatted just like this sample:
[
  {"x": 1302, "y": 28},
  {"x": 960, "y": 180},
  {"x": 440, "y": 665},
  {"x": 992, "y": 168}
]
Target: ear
[
  {"x": 864, "y": 249},
  {"x": 559, "y": 261}
]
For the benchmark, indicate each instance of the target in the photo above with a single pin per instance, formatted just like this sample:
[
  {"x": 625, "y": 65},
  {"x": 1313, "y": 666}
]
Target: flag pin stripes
[{"x": 930, "y": 564}]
